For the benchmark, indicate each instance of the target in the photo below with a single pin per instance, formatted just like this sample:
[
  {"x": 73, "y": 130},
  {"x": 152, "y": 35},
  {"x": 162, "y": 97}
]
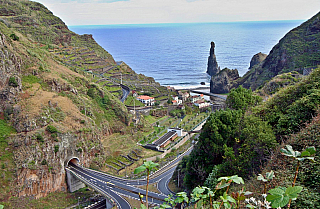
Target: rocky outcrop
[
  {"x": 213, "y": 67},
  {"x": 10, "y": 82},
  {"x": 222, "y": 82},
  {"x": 297, "y": 50},
  {"x": 257, "y": 59},
  {"x": 40, "y": 163}
]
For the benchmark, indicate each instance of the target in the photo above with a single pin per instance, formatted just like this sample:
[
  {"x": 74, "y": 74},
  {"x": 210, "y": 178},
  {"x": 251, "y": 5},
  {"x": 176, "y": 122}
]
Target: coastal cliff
[{"x": 296, "y": 51}]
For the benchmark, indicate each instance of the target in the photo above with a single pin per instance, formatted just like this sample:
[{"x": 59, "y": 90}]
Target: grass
[
  {"x": 133, "y": 202},
  {"x": 129, "y": 102},
  {"x": 152, "y": 187},
  {"x": 6, "y": 159},
  {"x": 150, "y": 119},
  {"x": 31, "y": 79},
  {"x": 54, "y": 200}
]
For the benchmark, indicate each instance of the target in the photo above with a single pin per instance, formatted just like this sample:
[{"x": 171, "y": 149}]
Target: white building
[
  {"x": 176, "y": 101},
  {"x": 196, "y": 98},
  {"x": 201, "y": 104},
  {"x": 177, "y": 130},
  {"x": 148, "y": 101}
]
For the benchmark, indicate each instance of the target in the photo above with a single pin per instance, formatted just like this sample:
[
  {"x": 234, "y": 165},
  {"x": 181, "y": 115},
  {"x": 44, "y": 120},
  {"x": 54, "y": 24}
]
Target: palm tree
[{"x": 149, "y": 166}]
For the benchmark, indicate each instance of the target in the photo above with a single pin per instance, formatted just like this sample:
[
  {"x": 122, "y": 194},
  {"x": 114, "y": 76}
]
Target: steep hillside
[
  {"x": 242, "y": 139},
  {"x": 53, "y": 109},
  {"x": 297, "y": 50}
]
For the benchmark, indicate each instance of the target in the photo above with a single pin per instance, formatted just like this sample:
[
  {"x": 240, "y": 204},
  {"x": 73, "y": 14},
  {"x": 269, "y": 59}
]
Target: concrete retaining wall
[{"x": 73, "y": 183}]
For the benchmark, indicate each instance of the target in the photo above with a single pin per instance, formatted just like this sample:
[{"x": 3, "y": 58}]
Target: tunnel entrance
[
  {"x": 73, "y": 160},
  {"x": 73, "y": 183}
]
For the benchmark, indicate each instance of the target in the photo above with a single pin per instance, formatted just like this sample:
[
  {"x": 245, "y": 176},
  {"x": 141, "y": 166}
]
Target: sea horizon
[
  {"x": 160, "y": 24},
  {"x": 176, "y": 54}
]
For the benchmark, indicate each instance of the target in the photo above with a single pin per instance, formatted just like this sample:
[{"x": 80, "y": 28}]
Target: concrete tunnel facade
[
  {"x": 73, "y": 183},
  {"x": 74, "y": 160}
]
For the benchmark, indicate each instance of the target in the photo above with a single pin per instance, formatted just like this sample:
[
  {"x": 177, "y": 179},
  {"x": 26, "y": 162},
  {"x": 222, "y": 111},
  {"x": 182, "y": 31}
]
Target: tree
[
  {"x": 241, "y": 98},
  {"x": 238, "y": 142},
  {"x": 149, "y": 166}
]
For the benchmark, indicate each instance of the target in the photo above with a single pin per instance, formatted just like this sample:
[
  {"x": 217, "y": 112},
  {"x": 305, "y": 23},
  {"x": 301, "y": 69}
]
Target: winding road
[
  {"x": 125, "y": 92},
  {"x": 115, "y": 187}
]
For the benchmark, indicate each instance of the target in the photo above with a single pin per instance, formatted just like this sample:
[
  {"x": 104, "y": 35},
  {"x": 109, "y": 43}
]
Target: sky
[{"x": 105, "y": 12}]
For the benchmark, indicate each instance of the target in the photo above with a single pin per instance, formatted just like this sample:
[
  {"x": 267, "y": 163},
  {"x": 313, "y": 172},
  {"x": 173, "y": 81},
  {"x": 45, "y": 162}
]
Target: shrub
[
  {"x": 51, "y": 129},
  {"x": 44, "y": 162},
  {"x": 14, "y": 37},
  {"x": 13, "y": 82},
  {"x": 56, "y": 148},
  {"x": 39, "y": 137}
]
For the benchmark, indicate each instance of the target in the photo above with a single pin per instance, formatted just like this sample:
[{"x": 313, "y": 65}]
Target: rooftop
[
  {"x": 164, "y": 138},
  {"x": 145, "y": 97}
]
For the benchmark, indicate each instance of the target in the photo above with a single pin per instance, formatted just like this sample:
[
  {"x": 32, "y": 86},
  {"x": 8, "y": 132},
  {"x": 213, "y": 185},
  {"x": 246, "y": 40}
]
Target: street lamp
[{"x": 78, "y": 202}]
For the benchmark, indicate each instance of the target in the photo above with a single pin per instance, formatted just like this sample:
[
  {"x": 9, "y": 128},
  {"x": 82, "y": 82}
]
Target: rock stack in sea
[
  {"x": 220, "y": 81},
  {"x": 213, "y": 67}
]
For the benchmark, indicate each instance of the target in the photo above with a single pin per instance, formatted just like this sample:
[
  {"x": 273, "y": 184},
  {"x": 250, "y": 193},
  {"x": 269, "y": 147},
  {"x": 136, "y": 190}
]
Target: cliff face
[
  {"x": 41, "y": 166},
  {"x": 10, "y": 69},
  {"x": 213, "y": 67},
  {"x": 222, "y": 82},
  {"x": 297, "y": 50}
]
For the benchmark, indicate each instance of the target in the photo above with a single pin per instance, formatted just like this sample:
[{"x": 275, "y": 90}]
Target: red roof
[
  {"x": 174, "y": 101},
  {"x": 145, "y": 97}
]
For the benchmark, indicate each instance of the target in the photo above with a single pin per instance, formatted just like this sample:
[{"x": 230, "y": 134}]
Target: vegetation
[
  {"x": 291, "y": 107},
  {"x": 51, "y": 129},
  {"x": 237, "y": 141},
  {"x": 300, "y": 49},
  {"x": 13, "y": 82}
]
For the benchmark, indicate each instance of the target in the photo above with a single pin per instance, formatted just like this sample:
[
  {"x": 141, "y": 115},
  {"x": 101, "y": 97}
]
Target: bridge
[{"x": 115, "y": 187}]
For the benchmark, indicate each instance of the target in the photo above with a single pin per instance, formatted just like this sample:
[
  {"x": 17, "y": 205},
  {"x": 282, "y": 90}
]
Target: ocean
[{"x": 177, "y": 54}]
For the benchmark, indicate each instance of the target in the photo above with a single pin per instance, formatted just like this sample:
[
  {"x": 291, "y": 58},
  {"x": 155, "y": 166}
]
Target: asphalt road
[
  {"x": 125, "y": 92},
  {"x": 115, "y": 187}
]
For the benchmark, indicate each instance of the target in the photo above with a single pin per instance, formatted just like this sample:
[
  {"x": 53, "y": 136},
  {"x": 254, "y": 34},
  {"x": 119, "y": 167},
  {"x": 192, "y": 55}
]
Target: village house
[
  {"x": 183, "y": 96},
  {"x": 201, "y": 104},
  {"x": 196, "y": 98},
  {"x": 148, "y": 101},
  {"x": 176, "y": 101}
]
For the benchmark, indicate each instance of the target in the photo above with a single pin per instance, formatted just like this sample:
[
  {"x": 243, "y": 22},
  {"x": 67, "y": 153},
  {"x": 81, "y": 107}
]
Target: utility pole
[
  {"x": 178, "y": 177},
  {"x": 134, "y": 107}
]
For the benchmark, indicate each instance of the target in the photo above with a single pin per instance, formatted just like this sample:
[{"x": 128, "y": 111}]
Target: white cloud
[{"x": 98, "y": 12}]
